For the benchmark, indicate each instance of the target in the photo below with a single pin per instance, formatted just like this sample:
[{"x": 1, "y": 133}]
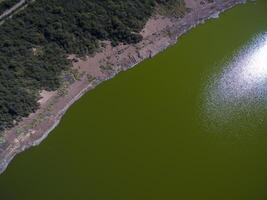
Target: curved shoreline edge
[{"x": 30, "y": 140}]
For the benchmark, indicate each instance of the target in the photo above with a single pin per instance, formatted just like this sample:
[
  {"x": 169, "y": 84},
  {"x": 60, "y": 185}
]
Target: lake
[{"x": 188, "y": 124}]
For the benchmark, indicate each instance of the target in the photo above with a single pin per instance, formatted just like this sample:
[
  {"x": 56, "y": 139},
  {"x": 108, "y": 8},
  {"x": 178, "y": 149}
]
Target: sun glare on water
[
  {"x": 239, "y": 92},
  {"x": 255, "y": 68}
]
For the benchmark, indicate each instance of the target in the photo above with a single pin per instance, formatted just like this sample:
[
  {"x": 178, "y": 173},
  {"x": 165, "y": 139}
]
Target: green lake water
[{"x": 191, "y": 123}]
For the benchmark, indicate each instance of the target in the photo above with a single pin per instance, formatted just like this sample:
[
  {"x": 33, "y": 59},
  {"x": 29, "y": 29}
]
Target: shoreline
[{"x": 122, "y": 58}]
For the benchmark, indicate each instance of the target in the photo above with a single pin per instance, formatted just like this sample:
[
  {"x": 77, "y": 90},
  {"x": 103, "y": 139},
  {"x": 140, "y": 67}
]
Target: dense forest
[
  {"x": 58, "y": 28},
  {"x": 6, "y": 4}
]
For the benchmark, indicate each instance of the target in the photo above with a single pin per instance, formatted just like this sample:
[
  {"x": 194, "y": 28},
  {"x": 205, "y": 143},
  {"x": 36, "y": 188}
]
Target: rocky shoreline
[{"x": 122, "y": 58}]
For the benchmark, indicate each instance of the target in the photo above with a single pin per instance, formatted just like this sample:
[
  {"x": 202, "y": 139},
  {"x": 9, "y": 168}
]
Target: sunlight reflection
[
  {"x": 247, "y": 72},
  {"x": 239, "y": 92}
]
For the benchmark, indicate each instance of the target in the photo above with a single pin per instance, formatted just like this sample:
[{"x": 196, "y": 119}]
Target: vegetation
[
  {"x": 36, "y": 41},
  {"x": 173, "y": 8}
]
